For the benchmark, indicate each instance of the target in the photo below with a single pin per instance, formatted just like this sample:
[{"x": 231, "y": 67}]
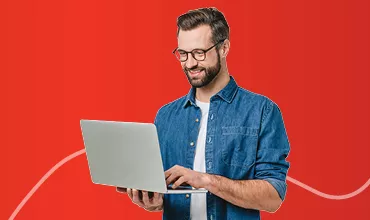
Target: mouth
[{"x": 194, "y": 73}]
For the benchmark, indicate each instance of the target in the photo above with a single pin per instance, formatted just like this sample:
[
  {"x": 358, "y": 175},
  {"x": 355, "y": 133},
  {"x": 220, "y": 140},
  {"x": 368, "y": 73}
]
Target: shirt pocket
[{"x": 239, "y": 146}]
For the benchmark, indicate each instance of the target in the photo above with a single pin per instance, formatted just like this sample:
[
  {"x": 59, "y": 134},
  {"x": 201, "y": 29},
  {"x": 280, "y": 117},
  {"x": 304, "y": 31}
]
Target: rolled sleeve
[{"x": 273, "y": 149}]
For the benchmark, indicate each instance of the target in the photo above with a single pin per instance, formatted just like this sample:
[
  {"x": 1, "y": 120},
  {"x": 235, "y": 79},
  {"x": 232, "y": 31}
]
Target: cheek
[
  {"x": 212, "y": 59},
  {"x": 209, "y": 62},
  {"x": 206, "y": 65}
]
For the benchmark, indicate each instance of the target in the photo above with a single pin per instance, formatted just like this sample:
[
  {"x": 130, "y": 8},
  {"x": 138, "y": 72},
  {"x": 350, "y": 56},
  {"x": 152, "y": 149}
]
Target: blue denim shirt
[{"x": 246, "y": 139}]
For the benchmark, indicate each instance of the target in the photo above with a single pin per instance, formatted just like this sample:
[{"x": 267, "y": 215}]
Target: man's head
[{"x": 205, "y": 29}]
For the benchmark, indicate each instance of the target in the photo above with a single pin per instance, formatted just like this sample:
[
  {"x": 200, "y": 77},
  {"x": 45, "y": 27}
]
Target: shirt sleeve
[
  {"x": 157, "y": 118},
  {"x": 273, "y": 149}
]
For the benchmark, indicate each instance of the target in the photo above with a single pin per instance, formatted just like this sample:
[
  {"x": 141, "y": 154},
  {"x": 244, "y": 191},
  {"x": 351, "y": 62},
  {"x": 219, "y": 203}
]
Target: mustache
[{"x": 194, "y": 68}]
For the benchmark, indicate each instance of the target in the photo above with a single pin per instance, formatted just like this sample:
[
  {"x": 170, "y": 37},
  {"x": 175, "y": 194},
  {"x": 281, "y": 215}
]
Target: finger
[
  {"x": 157, "y": 198},
  {"x": 168, "y": 172},
  {"x": 146, "y": 198},
  {"x": 129, "y": 193},
  {"x": 173, "y": 177},
  {"x": 180, "y": 181},
  {"x": 136, "y": 198}
]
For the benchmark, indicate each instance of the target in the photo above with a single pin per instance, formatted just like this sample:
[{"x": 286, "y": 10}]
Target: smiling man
[{"x": 219, "y": 136}]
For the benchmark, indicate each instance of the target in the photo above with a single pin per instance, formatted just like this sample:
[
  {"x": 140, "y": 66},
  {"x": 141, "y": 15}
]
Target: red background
[{"x": 66, "y": 60}]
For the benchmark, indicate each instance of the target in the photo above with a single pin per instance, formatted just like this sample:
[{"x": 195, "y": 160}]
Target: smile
[{"x": 195, "y": 72}]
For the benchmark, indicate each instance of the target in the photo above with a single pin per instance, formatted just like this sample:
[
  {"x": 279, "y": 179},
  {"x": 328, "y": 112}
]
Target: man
[{"x": 219, "y": 136}]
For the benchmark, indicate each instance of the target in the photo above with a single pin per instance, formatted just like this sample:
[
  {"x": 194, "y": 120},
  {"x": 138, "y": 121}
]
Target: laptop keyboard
[{"x": 186, "y": 187}]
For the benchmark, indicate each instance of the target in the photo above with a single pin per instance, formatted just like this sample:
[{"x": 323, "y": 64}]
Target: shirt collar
[{"x": 227, "y": 93}]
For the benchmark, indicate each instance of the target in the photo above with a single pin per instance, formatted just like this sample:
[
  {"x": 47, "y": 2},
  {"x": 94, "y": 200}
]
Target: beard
[{"x": 209, "y": 74}]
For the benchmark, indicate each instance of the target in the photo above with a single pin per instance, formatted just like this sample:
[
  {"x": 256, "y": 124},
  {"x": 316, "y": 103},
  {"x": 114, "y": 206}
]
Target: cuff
[{"x": 279, "y": 185}]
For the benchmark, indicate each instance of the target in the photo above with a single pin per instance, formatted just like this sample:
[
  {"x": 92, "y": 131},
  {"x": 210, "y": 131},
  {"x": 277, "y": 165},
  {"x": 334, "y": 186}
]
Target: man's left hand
[{"x": 179, "y": 175}]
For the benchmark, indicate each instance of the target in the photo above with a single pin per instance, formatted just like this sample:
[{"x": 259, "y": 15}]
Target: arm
[
  {"x": 249, "y": 194},
  {"x": 267, "y": 190}
]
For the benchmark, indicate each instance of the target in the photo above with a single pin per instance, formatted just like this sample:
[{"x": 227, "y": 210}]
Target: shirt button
[
  {"x": 211, "y": 117},
  {"x": 187, "y": 195},
  {"x": 191, "y": 143},
  {"x": 196, "y": 120}
]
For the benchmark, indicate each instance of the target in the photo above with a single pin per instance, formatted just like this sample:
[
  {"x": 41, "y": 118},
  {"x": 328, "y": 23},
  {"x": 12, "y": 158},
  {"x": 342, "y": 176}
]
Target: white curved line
[
  {"x": 327, "y": 196},
  {"x": 78, "y": 153},
  {"x": 42, "y": 180}
]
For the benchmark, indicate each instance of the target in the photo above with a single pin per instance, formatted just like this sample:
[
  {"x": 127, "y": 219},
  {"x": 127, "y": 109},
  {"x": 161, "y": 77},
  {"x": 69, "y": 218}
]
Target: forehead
[{"x": 199, "y": 37}]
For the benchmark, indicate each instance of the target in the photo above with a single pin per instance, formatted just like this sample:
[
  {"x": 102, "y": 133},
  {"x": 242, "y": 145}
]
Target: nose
[{"x": 191, "y": 62}]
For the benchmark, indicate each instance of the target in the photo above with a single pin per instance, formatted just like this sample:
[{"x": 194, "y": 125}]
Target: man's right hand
[{"x": 154, "y": 203}]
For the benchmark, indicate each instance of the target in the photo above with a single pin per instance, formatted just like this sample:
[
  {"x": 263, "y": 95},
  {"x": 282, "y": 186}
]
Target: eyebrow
[{"x": 191, "y": 50}]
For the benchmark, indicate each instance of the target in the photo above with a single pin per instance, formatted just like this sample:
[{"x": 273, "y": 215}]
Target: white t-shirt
[{"x": 198, "y": 203}]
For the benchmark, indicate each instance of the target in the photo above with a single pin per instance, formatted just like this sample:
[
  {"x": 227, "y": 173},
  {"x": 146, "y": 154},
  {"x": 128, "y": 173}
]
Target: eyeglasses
[{"x": 198, "y": 54}]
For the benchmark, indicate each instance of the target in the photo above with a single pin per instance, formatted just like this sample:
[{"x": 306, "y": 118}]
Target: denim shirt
[{"x": 245, "y": 139}]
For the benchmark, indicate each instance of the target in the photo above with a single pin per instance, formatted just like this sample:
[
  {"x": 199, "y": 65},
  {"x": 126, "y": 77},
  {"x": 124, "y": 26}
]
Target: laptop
[{"x": 127, "y": 155}]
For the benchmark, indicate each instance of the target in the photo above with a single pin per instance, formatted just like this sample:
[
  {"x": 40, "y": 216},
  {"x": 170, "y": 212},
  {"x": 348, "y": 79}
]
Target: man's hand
[
  {"x": 179, "y": 175},
  {"x": 154, "y": 203}
]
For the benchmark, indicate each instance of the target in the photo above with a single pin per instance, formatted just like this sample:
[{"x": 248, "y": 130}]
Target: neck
[{"x": 205, "y": 93}]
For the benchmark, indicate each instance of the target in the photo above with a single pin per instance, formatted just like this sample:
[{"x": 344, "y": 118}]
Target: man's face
[{"x": 199, "y": 73}]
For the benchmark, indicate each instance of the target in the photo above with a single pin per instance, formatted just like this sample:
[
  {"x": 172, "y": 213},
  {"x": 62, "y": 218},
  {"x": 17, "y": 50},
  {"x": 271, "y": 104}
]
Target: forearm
[{"x": 250, "y": 194}]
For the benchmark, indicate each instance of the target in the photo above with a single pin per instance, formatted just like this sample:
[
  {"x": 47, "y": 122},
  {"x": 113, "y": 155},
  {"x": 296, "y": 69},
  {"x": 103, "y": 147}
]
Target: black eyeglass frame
[{"x": 192, "y": 52}]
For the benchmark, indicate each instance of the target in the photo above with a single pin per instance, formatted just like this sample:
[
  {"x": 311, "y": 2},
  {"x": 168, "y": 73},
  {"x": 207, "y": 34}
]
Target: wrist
[
  {"x": 208, "y": 181},
  {"x": 155, "y": 209},
  {"x": 159, "y": 208}
]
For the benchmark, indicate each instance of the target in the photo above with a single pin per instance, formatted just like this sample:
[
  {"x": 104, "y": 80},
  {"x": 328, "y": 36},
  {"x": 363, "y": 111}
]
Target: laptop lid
[{"x": 124, "y": 154}]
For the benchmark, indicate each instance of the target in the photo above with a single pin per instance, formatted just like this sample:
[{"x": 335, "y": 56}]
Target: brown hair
[{"x": 205, "y": 16}]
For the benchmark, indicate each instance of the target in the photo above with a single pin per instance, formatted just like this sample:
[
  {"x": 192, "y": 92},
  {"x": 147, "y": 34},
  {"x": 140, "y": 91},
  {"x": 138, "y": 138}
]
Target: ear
[{"x": 224, "y": 49}]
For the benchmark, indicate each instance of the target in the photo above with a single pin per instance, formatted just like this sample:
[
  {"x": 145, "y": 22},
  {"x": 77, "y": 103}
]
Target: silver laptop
[{"x": 127, "y": 155}]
